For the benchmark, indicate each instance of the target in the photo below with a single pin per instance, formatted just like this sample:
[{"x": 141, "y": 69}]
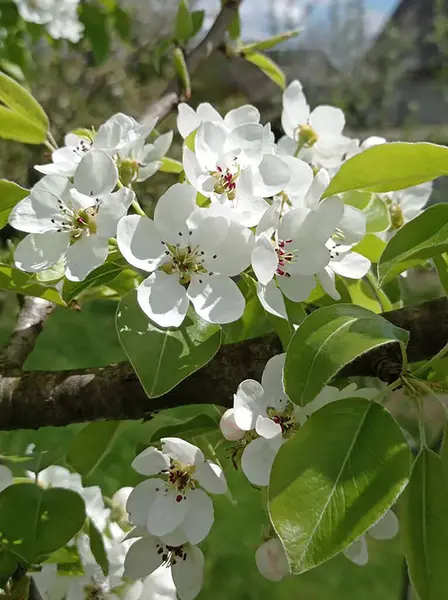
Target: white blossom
[
  {"x": 316, "y": 136},
  {"x": 175, "y": 503},
  {"x": 188, "y": 119},
  {"x": 59, "y": 18},
  {"x": 73, "y": 222},
  {"x": 228, "y": 426},
  {"x": 236, "y": 170},
  {"x": 384, "y": 529},
  {"x": 191, "y": 255},
  {"x": 271, "y": 560}
]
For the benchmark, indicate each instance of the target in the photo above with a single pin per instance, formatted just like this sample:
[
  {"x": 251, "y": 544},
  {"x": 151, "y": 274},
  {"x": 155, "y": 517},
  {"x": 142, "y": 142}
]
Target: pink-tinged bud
[
  {"x": 229, "y": 428},
  {"x": 271, "y": 560}
]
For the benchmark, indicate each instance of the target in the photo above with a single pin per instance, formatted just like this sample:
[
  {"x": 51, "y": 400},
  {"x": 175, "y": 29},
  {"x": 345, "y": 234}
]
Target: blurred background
[{"x": 384, "y": 62}]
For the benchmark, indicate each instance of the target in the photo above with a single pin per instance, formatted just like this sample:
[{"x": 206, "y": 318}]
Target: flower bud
[
  {"x": 229, "y": 428},
  {"x": 271, "y": 560}
]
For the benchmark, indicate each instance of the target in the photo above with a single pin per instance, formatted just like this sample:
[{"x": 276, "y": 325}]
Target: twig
[{"x": 38, "y": 398}]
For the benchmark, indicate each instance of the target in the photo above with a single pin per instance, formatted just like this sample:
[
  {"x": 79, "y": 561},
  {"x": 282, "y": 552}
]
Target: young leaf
[
  {"x": 197, "y": 17},
  {"x": 332, "y": 481},
  {"x": 234, "y": 29},
  {"x": 95, "y": 21},
  {"x": 89, "y": 447},
  {"x": 268, "y": 66},
  {"x": 162, "y": 358},
  {"x": 14, "y": 126},
  {"x": 327, "y": 340},
  {"x": 424, "y": 527},
  {"x": 97, "y": 548},
  {"x": 19, "y": 100},
  {"x": 374, "y": 208},
  {"x": 170, "y": 165},
  {"x": 254, "y": 322},
  {"x": 270, "y": 42},
  {"x": 37, "y": 522},
  {"x": 10, "y": 194},
  {"x": 101, "y": 276},
  {"x": 184, "y": 23},
  {"x": 371, "y": 247},
  {"x": 389, "y": 167},
  {"x": 20, "y": 282},
  {"x": 422, "y": 238}
]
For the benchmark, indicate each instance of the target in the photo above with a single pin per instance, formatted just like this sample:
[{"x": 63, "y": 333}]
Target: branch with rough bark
[{"x": 38, "y": 398}]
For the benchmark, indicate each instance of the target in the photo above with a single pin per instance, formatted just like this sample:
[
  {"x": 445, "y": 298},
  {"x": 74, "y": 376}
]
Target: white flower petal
[
  {"x": 112, "y": 208},
  {"x": 232, "y": 256},
  {"x": 175, "y": 538},
  {"x": 267, "y": 428},
  {"x": 209, "y": 144},
  {"x": 157, "y": 586},
  {"x": 300, "y": 180},
  {"x": 271, "y": 299},
  {"x": 241, "y": 115},
  {"x": 206, "y": 112},
  {"x": 352, "y": 265},
  {"x": 248, "y": 403},
  {"x": 192, "y": 168},
  {"x": 275, "y": 175},
  {"x": 229, "y": 428},
  {"x": 139, "y": 242},
  {"x": 295, "y": 109},
  {"x": 142, "y": 558},
  {"x": 150, "y": 462},
  {"x": 211, "y": 477},
  {"x": 167, "y": 511},
  {"x": 271, "y": 560},
  {"x": 353, "y": 225},
  {"x": 187, "y": 120},
  {"x": 386, "y": 528},
  {"x": 216, "y": 298},
  {"x": 286, "y": 146},
  {"x": 297, "y": 287},
  {"x": 163, "y": 299},
  {"x": 257, "y": 460},
  {"x": 140, "y": 500},
  {"x": 327, "y": 281},
  {"x": 319, "y": 184},
  {"x": 96, "y": 174},
  {"x": 39, "y": 251},
  {"x": 264, "y": 260},
  {"x": 321, "y": 223},
  {"x": 85, "y": 255},
  {"x": 357, "y": 552},
  {"x": 184, "y": 452},
  {"x": 172, "y": 211},
  {"x": 199, "y": 519},
  {"x": 188, "y": 574},
  {"x": 247, "y": 140},
  {"x": 327, "y": 120},
  {"x": 272, "y": 381}
]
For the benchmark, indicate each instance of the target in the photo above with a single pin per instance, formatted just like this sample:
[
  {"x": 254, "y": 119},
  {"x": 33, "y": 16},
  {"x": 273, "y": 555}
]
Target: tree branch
[
  {"x": 214, "y": 38},
  {"x": 38, "y": 398}
]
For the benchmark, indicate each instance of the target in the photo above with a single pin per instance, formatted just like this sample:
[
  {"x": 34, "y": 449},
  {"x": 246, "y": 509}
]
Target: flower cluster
[{"x": 60, "y": 18}]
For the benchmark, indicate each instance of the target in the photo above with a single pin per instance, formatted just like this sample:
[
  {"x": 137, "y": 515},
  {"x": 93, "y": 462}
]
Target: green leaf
[
  {"x": 184, "y": 23},
  {"x": 100, "y": 276},
  {"x": 97, "y": 548},
  {"x": 19, "y": 100},
  {"x": 327, "y": 340},
  {"x": 122, "y": 23},
  {"x": 10, "y": 195},
  {"x": 389, "y": 167},
  {"x": 95, "y": 21},
  {"x": 198, "y": 425},
  {"x": 159, "y": 51},
  {"x": 374, "y": 208},
  {"x": 332, "y": 481},
  {"x": 170, "y": 165},
  {"x": 35, "y": 462},
  {"x": 424, "y": 527},
  {"x": 254, "y": 322},
  {"x": 14, "y": 126},
  {"x": 268, "y": 66},
  {"x": 23, "y": 283},
  {"x": 234, "y": 29},
  {"x": 197, "y": 16},
  {"x": 35, "y": 522},
  {"x": 270, "y": 42},
  {"x": 422, "y": 238},
  {"x": 371, "y": 247},
  {"x": 162, "y": 358},
  {"x": 8, "y": 566},
  {"x": 90, "y": 446}
]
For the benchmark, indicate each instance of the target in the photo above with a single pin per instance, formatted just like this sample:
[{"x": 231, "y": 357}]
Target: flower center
[
  {"x": 285, "y": 418},
  {"x": 83, "y": 146},
  {"x": 185, "y": 260},
  {"x": 396, "y": 216},
  {"x": 226, "y": 180},
  {"x": 171, "y": 554},
  {"x": 77, "y": 222},
  {"x": 127, "y": 169},
  {"x": 306, "y": 135},
  {"x": 285, "y": 257},
  {"x": 180, "y": 478}
]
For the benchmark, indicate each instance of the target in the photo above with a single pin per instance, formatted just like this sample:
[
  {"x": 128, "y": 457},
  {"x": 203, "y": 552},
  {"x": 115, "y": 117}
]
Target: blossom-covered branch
[{"x": 38, "y": 398}]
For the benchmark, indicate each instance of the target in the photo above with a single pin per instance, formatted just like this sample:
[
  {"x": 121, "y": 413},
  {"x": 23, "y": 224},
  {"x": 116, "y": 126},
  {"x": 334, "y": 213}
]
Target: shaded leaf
[
  {"x": 184, "y": 27},
  {"x": 270, "y": 42},
  {"x": 14, "y": 126},
  {"x": 97, "y": 548},
  {"x": 10, "y": 194},
  {"x": 19, "y": 100},
  {"x": 20, "y": 282},
  {"x": 268, "y": 66},
  {"x": 89, "y": 447}
]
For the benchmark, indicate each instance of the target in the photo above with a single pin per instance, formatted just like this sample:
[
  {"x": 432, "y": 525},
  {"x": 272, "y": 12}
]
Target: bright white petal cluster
[
  {"x": 71, "y": 221},
  {"x": 271, "y": 560},
  {"x": 123, "y": 138},
  {"x": 191, "y": 254},
  {"x": 316, "y": 136},
  {"x": 60, "y": 18}
]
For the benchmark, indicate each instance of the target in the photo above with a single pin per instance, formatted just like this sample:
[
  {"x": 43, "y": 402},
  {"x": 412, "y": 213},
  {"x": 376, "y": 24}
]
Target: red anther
[
  {"x": 288, "y": 241},
  {"x": 219, "y": 169},
  {"x": 80, "y": 221},
  {"x": 281, "y": 244},
  {"x": 280, "y": 272},
  {"x": 281, "y": 263},
  {"x": 179, "y": 498}
]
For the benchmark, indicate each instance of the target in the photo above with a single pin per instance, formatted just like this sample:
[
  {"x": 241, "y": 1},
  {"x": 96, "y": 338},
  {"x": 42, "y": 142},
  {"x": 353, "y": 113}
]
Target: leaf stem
[
  {"x": 442, "y": 271},
  {"x": 380, "y": 296},
  {"x": 440, "y": 354},
  {"x": 52, "y": 141},
  {"x": 49, "y": 146},
  {"x": 138, "y": 209}
]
